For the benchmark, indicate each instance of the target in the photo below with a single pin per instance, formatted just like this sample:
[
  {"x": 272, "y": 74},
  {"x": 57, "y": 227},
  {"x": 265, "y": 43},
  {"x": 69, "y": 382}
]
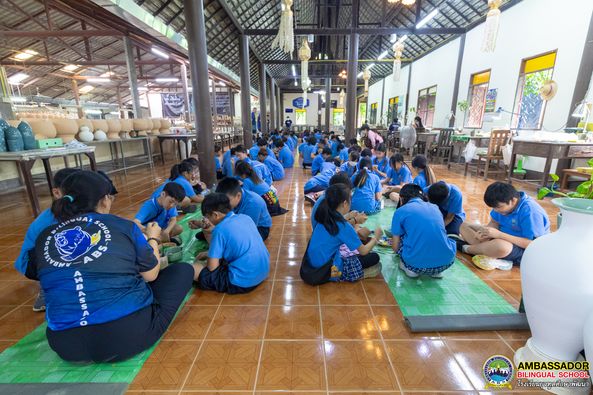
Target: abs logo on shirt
[{"x": 79, "y": 240}]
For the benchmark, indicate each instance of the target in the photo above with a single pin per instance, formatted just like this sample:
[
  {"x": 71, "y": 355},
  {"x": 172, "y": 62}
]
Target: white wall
[
  {"x": 311, "y": 110},
  {"x": 522, "y": 33},
  {"x": 392, "y": 89}
]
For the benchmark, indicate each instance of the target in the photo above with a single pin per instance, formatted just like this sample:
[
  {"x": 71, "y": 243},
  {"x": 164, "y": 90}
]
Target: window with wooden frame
[
  {"x": 426, "y": 102},
  {"x": 373, "y": 115},
  {"x": 476, "y": 99},
  {"x": 529, "y": 108},
  {"x": 392, "y": 109}
]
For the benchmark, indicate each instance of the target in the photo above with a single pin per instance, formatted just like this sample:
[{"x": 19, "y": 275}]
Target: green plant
[
  {"x": 463, "y": 105},
  {"x": 584, "y": 190},
  {"x": 412, "y": 109}
]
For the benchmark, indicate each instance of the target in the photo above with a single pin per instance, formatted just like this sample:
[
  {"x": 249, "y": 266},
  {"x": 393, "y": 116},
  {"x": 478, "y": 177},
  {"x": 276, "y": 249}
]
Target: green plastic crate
[{"x": 49, "y": 143}]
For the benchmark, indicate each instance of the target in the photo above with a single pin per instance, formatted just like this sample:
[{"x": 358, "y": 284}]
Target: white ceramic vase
[{"x": 557, "y": 283}]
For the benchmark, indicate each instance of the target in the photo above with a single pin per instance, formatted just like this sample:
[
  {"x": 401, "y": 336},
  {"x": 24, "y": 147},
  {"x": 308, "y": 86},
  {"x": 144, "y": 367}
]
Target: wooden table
[
  {"x": 26, "y": 159},
  {"x": 426, "y": 137},
  {"x": 459, "y": 141},
  {"x": 564, "y": 151}
]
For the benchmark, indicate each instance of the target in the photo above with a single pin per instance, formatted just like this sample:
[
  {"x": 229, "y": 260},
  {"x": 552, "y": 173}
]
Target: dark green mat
[
  {"x": 460, "y": 292},
  {"x": 63, "y": 389},
  {"x": 31, "y": 360}
]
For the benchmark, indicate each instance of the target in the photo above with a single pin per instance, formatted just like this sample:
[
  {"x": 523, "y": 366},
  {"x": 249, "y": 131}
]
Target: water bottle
[{"x": 474, "y": 217}]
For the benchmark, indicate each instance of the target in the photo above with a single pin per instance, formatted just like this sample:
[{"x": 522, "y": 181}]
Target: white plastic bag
[
  {"x": 507, "y": 152},
  {"x": 469, "y": 152}
]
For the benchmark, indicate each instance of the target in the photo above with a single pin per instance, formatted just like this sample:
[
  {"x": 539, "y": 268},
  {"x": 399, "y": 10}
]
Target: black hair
[
  {"x": 174, "y": 190},
  {"x": 192, "y": 161},
  {"x": 62, "y": 174},
  {"x": 326, "y": 151},
  {"x": 367, "y": 152},
  {"x": 397, "y": 158},
  {"x": 353, "y": 142},
  {"x": 216, "y": 202},
  {"x": 233, "y": 151},
  {"x": 178, "y": 169},
  {"x": 341, "y": 178},
  {"x": 340, "y": 146},
  {"x": 243, "y": 168},
  {"x": 500, "y": 192},
  {"x": 312, "y": 140},
  {"x": 411, "y": 191},
  {"x": 279, "y": 143},
  {"x": 381, "y": 147},
  {"x": 365, "y": 127},
  {"x": 229, "y": 186},
  {"x": 353, "y": 156},
  {"x": 217, "y": 148},
  {"x": 363, "y": 174},
  {"x": 112, "y": 190},
  {"x": 240, "y": 149},
  {"x": 336, "y": 161},
  {"x": 262, "y": 152},
  {"x": 262, "y": 143},
  {"x": 438, "y": 192},
  {"x": 419, "y": 121},
  {"x": 420, "y": 162},
  {"x": 327, "y": 214},
  {"x": 82, "y": 190},
  {"x": 322, "y": 141}
]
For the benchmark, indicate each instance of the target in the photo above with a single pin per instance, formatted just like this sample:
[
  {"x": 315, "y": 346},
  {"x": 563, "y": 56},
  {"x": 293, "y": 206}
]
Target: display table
[
  {"x": 428, "y": 138},
  {"x": 26, "y": 159},
  {"x": 564, "y": 151},
  {"x": 177, "y": 138},
  {"x": 116, "y": 145}
]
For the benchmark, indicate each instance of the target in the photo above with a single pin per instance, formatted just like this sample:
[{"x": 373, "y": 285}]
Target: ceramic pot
[
  {"x": 556, "y": 277},
  {"x": 85, "y": 135},
  {"x": 588, "y": 338},
  {"x": 100, "y": 135}
]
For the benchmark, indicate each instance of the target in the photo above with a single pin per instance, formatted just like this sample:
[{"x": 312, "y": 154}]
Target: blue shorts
[
  {"x": 218, "y": 280},
  {"x": 515, "y": 256}
]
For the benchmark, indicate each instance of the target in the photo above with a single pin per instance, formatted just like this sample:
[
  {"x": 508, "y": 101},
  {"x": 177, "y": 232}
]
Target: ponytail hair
[
  {"x": 363, "y": 174},
  {"x": 420, "y": 162},
  {"x": 83, "y": 191},
  {"x": 397, "y": 158},
  {"x": 411, "y": 191},
  {"x": 243, "y": 168},
  {"x": 327, "y": 214},
  {"x": 179, "y": 169}
]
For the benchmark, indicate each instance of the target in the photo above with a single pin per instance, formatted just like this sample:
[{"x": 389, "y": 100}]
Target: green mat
[
  {"x": 459, "y": 292},
  {"x": 31, "y": 360}
]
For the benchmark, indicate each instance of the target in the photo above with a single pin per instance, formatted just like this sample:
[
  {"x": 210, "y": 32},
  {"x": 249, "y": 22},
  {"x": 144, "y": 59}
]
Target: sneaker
[
  {"x": 310, "y": 197},
  {"x": 177, "y": 240},
  {"x": 408, "y": 272},
  {"x": 459, "y": 242},
  {"x": 39, "y": 304},
  {"x": 437, "y": 275},
  {"x": 372, "y": 271}
]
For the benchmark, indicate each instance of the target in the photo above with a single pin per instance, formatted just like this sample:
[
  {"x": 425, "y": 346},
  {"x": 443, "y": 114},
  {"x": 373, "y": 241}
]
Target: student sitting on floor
[
  {"x": 261, "y": 144},
  {"x": 419, "y": 236},
  {"x": 380, "y": 161},
  {"x": 351, "y": 165},
  {"x": 228, "y": 162},
  {"x": 425, "y": 177},
  {"x": 367, "y": 189},
  {"x": 319, "y": 182},
  {"x": 516, "y": 220},
  {"x": 252, "y": 182},
  {"x": 322, "y": 157},
  {"x": 237, "y": 259},
  {"x": 308, "y": 151},
  {"x": 398, "y": 175},
  {"x": 285, "y": 156},
  {"x": 449, "y": 199},
  {"x": 323, "y": 261},
  {"x": 342, "y": 152},
  {"x": 163, "y": 211},
  {"x": 333, "y": 144},
  {"x": 199, "y": 187},
  {"x": 182, "y": 174},
  {"x": 45, "y": 219},
  {"x": 275, "y": 167},
  {"x": 354, "y": 146},
  {"x": 217, "y": 163},
  {"x": 106, "y": 298},
  {"x": 248, "y": 203},
  {"x": 260, "y": 169}
]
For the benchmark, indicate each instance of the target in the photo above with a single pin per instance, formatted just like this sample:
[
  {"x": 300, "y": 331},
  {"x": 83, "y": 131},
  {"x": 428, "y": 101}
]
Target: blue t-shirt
[
  {"x": 334, "y": 147},
  {"x": 45, "y": 219},
  {"x": 295, "y": 141},
  {"x": 453, "y": 204},
  {"x": 325, "y": 247},
  {"x": 322, "y": 178},
  {"x": 275, "y": 168},
  {"x": 152, "y": 211},
  {"x": 260, "y": 189},
  {"x": 347, "y": 168},
  {"x": 382, "y": 166},
  {"x": 228, "y": 164},
  {"x": 314, "y": 210},
  {"x": 302, "y": 147},
  {"x": 307, "y": 151},
  {"x": 254, "y": 206},
  {"x": 187, "y": 187},
  {"x": 420, "y": 180},
  {"x": 318, "y": 136},
  {"x": 261, "y": 170},
  {"x": 397, "y": 177},
  {"x": 344, "y": 154},
  {"x": 363, "y": 198},
  {"x": 528, "y": 220},
  {"x": 316, "y": 165},
  {"x": 423, "y": 236},
  {"x": 253, "y": 151},
  {"x": 286, "y": 158},
  {"x": 236, "y": 240},
  {"x": 217, "y": 165},
  {"x": 89, "y": 268}
]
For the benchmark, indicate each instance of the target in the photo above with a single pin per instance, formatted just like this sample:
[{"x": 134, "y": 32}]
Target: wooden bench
[{"x": 574, "y": 173}]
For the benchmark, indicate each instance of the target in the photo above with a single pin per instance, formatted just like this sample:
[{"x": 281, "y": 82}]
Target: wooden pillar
[
  {"x": 457, "y": 80},
  {"x": 351, "y": 110}
]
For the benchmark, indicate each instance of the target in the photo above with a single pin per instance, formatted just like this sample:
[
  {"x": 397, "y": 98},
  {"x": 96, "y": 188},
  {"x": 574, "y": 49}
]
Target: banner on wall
[
  {"x": 298, "y": 102},
  {"x": 173, "y": 105},
  {"x": 223, "y": 103},
  {"x": 491, "y": 100}
]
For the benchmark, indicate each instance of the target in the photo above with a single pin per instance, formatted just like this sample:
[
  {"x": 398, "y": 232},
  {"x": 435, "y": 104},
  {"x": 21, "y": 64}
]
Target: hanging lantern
[
  {"x": 408, "y": 2},
  {"x": 491, "y": 28},
  {"x": 304, "y": 56},
  {"x": 342, "y": 95},
  {"x": 398, "y": 49},
  {"x": 393, "y": 1},
  {"x": 285, "y": 38},
  {"x": 366, "y": 76}
]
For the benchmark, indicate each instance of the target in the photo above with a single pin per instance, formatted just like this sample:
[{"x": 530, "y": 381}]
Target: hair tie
[{"x": 69, "y": 198}]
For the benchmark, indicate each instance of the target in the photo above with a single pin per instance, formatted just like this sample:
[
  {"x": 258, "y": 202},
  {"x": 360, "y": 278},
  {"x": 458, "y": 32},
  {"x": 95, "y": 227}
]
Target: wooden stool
[{"x": 574, "y": 173}]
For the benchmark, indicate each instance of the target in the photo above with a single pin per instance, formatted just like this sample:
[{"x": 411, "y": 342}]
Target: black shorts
[
  {"x": 264, "y": 232},
  {"x": 218, "y": 280},
  {"x": 515, "y": 256}
]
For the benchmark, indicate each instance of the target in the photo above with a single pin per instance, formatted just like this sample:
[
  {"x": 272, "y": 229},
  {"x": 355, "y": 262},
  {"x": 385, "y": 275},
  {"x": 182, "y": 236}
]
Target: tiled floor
[{"x": 286, "y": 336}]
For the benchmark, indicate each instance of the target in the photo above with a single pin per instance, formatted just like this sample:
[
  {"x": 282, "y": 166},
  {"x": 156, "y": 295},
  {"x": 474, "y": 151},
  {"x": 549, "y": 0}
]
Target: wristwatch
[{"x": 154, "y": 239}]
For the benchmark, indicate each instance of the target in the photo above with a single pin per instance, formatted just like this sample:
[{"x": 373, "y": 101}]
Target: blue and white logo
[{"x": 74, "y": 243}]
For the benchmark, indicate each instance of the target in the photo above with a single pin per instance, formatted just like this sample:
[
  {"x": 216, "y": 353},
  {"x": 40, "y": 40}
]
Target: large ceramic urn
[{"x": 557, "y": 283}]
